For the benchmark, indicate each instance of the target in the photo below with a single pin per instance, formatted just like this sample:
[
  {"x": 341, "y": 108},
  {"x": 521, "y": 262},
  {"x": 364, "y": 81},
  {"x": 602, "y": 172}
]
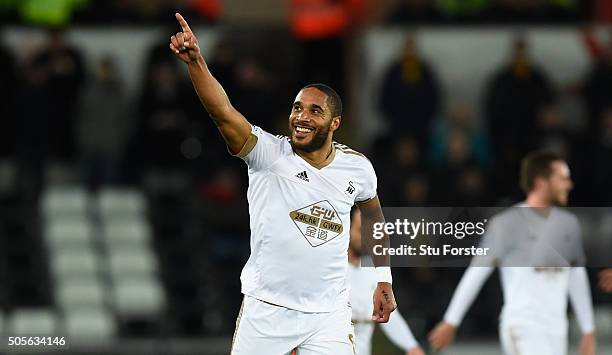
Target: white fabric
[
  {"x": 531, "y": 341},
  {"x": 383, "y": 274},
  {"x": 363, "y": 283},
  {"x": 294, "y": 264},
  {"x": 580, "y": 298},
  {"x": 263, "y": 328}
]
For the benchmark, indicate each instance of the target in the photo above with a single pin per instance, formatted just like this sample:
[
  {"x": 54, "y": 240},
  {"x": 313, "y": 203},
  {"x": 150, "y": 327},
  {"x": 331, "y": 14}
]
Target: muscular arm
[
  {"x": 233, "y": 126},
  {"x": 384, "y": 301}
]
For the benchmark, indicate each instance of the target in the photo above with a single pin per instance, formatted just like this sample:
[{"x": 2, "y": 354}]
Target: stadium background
[{"x": 123, "y": 220}]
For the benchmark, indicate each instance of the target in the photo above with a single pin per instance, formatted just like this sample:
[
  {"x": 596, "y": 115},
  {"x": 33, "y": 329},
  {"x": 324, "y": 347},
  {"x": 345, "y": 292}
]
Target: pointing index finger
[{"x": 182, "y": 22}]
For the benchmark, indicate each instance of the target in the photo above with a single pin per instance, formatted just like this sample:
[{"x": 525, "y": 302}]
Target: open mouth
[{"x": 302, "y": 131}]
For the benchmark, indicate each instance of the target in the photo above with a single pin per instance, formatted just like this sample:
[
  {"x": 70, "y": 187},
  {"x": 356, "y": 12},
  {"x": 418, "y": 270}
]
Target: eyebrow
[{"x": 313, "y": 105}]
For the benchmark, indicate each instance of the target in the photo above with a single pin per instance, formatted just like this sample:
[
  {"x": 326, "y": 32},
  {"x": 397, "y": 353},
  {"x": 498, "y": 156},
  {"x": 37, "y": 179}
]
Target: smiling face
[{"x": 311, "y": 122}]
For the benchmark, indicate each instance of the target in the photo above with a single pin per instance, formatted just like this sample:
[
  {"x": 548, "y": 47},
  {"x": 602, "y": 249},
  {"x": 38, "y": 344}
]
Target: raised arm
[{"x": 234, "y": 128}]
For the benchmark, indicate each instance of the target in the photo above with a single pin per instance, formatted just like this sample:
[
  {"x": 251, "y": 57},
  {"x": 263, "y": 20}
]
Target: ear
[
  {"x": 336, "y": 122},
  {"x": 538, "y": 181}
]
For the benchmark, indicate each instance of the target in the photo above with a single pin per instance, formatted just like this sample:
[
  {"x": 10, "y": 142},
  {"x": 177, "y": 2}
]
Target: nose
[{"x": 302, "y": 116}]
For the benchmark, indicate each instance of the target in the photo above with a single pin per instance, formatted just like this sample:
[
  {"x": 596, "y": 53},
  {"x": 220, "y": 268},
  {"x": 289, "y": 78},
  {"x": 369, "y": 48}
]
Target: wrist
[
  {"x": 383, "y": 274},
  {"x": 198, "y": 62}
]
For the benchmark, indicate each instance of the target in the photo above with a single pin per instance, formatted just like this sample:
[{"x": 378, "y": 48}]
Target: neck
[
  {"x": 318, "y": 156},
  {"x": 538, "y": 202}
]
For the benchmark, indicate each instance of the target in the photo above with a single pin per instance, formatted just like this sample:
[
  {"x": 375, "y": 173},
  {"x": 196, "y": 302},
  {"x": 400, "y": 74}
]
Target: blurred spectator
[
  {"x": 460, "y": 119},
  {"x": 410, "y": 94},
  {"x": 458, "y": 180},
  {"x": 598, "y": 83},
  {"x": 223, "y": 196},
  {"x": 247, "y": 83},
  {"x": 53, "y": 79},
  {"x": 513, "y": 99},
  {"x": 404, "y": 181},
  {"x": 164, "y": 111},
  {"x": 60, "y": 71},
  {"x": 552, "y": 134},
  {"x": 102, "y": 125},
  {"x": 602, "y": 158},
  {"x": 414, "y": 191},
  {"x": 320, "y": 27},
  {"x": 9, "y": 86}
]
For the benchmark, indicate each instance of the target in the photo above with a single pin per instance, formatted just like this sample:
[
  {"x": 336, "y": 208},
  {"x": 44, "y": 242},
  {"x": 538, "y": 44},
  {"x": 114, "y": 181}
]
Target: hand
[
  {"x": 442, "y": 335},
  {"x": 185, "y": 44},
  {"x": 384, "y": 302},
  {"x": 605, "y": 280},
  {"x": 588, "y": 345},
  {"x": 416, "y": 351}
]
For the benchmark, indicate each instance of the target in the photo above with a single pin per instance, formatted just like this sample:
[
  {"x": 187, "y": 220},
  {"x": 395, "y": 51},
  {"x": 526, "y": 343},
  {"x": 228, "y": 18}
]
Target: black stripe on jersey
[{"x": 345, "y": 149}]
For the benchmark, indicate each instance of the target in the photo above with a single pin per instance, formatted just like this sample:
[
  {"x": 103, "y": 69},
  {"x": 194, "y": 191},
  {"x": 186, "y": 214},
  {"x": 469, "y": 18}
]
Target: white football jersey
[
  {"x": 300, "y": 221},
  {"x": 539, "y": 260}
]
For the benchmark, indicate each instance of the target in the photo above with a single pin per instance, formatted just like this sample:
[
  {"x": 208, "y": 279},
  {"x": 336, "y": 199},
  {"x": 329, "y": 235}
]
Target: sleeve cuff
[
  {"x": 383, "y": 274},
  {"x": 248, "y": 146}
]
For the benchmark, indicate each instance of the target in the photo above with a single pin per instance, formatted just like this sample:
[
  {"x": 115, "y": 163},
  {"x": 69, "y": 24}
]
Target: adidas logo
[{"x": 303, "y": 176}]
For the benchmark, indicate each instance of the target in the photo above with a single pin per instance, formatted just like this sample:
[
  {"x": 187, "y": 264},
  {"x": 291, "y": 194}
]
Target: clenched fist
[
  {"x": 384, "y": 303},
  {"x": 185, "y": 44}
]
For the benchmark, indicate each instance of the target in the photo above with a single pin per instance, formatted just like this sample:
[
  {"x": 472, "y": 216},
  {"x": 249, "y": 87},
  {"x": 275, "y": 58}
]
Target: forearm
[
  {"x": 580, "y": 298},
  {"x": 469, "y": 287},
  {"x": 209, "y": 90},
  {"x": 369, "y": 217},
  {"x": 398, "y": 331}
]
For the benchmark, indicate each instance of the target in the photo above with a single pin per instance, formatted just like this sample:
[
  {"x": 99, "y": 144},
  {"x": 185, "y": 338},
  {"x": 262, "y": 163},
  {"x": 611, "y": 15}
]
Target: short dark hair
[
  {"x": 536, "y": 164},
  {"x": 333, "y": 99}
]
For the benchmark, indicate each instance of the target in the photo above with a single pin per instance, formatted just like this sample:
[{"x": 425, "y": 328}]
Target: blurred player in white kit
[
  {"x": 533, "y": 320},
  {"x": 362, "y": 281}
]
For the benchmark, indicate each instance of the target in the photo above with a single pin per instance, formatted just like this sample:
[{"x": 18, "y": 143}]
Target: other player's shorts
[
  {"x": 264, "y": 328},
  {"x": 518, "y": 340}
]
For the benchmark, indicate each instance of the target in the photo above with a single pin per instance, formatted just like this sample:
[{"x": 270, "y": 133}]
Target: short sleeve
[
  {"x": 492, "y": 241},
  {"x": 261, "y": 149},
  {"x": 369, "y": 183}
]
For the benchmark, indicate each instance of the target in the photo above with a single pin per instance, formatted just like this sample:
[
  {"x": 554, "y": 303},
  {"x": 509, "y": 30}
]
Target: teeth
[{"x": 302, "y": 129}]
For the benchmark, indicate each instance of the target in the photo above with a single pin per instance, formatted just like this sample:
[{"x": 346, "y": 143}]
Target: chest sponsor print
[{"x": 318, "y": 223}]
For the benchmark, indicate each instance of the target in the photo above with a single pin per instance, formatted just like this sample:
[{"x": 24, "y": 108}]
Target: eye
[{"x": 296, "y": 107}]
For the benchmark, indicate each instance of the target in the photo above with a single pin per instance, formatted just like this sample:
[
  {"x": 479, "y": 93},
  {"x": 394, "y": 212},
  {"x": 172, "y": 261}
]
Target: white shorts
[
  {"x": 518, "y": 340},
  {"x": 263, "y": 328}
]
